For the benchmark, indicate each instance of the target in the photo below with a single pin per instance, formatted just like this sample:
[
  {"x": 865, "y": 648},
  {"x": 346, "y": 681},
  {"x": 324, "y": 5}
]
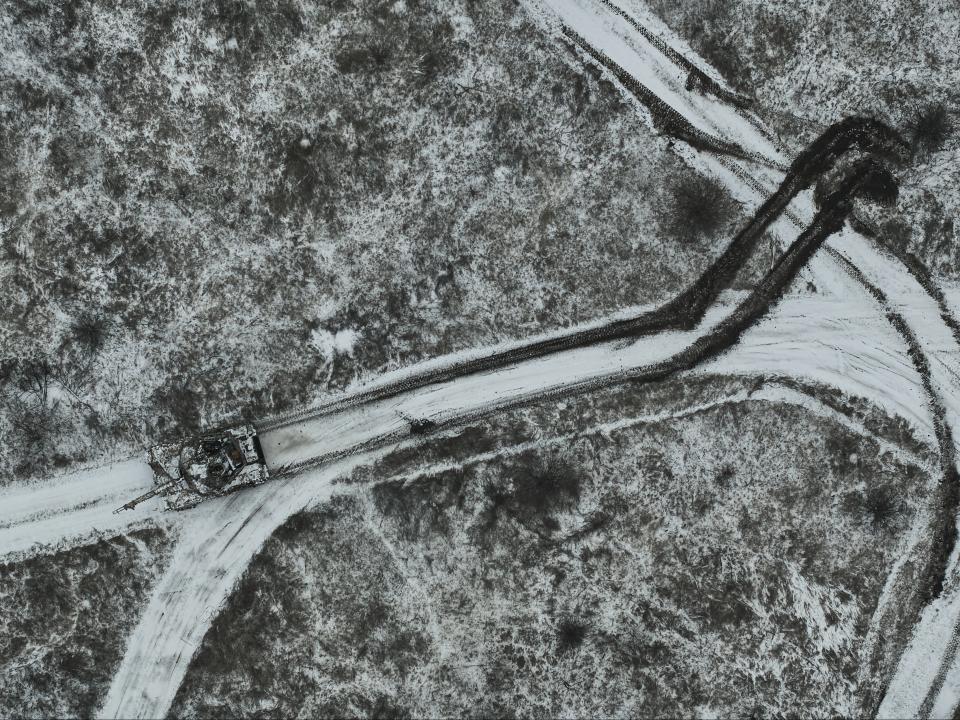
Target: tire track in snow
[
  {"x": 946, "y": 664},
  {"x": 851, "y": 135},
  {"x": 728, "y": 332},
  {"x": 697, "y": 78},
  {"x": 946, "y": 527},
  {"x": 942, "y": 431},
  {"x": 204, "y": 568},
  {"x": 768, "y": 348},
  {"x": 834, "y": 344},
  {"x": 770, "y": 392},
  {"x": 941, "y": 380},
  {"x": 666, "y": 118},
  {"x": 159, "y": 653}
]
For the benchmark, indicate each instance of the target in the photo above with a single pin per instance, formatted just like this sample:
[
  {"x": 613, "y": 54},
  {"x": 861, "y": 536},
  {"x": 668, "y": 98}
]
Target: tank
[{"x": 205, "y": 466}]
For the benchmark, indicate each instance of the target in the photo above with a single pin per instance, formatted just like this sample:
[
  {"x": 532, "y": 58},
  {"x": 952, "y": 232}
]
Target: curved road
[
  {"x": 219, "y": 538},
  {"x": 216, "y": 545}
]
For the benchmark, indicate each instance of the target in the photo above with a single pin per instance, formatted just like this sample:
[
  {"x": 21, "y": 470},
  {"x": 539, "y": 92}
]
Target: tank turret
[{"x": 210, "y": 465}]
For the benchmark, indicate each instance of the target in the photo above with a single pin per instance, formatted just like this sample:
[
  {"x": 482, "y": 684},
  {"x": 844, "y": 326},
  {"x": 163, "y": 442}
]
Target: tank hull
[{"x": 206, "y": 466}]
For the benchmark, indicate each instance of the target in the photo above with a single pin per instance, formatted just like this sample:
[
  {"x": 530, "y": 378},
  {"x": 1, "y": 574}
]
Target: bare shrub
[
  {"x": 929, "y": 128},
  {"x": 544, "y": 485},
  {"x": 180, "y": 403},
  {"x": 371, "y": 58},
  {"x": 698, "y": 207},
  {"x": 35, "y": 424},
  {"x": 880, "y": 505},
  {"x": 725, "y": 475},
  {"x": 570, "y": 635},
  {"x": 90, "y": 331},
  {"x": 384, "y": 707}
]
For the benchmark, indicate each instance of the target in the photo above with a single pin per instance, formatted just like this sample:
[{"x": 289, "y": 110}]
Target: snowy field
[{"x": 311, "y": 208}]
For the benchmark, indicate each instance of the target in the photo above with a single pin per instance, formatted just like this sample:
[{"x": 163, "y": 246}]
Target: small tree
[
  {"x": 698, "y": 208},
  {"x": 570, "y": 635},
  {"x": 90, "y": 331},
  {"x": 929, "y": 128},
  {"x": 880, "y": 505}
]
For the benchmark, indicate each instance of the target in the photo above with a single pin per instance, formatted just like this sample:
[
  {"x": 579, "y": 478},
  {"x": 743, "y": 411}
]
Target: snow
[
  {"x": 607, "y": 32},
  {"x": 631, "y": 51},
  {"x": 949, "y": 696},
  {"x": 839, "y": 338},
  {"x": 218, "y": 540},
  {"x": 772, "y": 393},
  {"x": 38, "y": 516},
  {"x": 825, "y": 341},
  {"x": 821, "y": 340},
  {"x": 211, "y": 42},
  {"x": 212, "y": 557},
  {"x": 329, "y": 344},
  {"x": 922, "y": 660}
]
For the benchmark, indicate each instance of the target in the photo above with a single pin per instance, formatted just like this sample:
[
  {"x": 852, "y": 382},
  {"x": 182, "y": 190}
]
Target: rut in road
[
  {"x": 928, "y": 340},
  {"x": 666, "y": 118},
  {"x": 867, "y": 178},
  {"x": 697, "y": 77},
  {"x": 851, "y": 135},
  {"x": 158, "y": 660}
]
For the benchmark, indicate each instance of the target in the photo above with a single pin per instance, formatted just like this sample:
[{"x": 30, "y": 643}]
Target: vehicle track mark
[{"x": 684, "y": 311}]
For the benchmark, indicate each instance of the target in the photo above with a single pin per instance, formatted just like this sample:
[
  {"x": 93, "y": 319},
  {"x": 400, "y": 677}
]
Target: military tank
[{"x": 205, "y": 466}]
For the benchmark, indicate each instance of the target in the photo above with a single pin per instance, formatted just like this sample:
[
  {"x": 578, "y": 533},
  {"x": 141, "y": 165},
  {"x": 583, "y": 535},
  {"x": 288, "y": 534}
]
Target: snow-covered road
[
  {"x": 840, "y": 342},
  {"x": 920, "y": 684},
  {"x": 67, "y": 509},
  {"x": 219, "y": 538},
  {"x": 839, "y": 337},
  {"x": 214, "y": 548},
  {"x": 829, "y": 341}
]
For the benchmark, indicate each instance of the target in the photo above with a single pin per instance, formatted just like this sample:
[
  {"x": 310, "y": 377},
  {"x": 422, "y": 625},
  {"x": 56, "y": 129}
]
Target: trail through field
[
  {"x": 836, "y": 342},
  {"x": 842, "y": 337},
  {"x": 927, "y": 324},
  {"x": 214, "y": 549},
  {"x": 58, "y": 512},
  {"x": 220, "y": 537}
]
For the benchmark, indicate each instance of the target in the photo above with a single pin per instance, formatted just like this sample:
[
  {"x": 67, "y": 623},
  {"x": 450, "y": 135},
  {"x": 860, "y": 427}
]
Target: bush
[
  {"x": 725, "y": 475},
  {"x": 35, "y": 425},
  {"x": 929, "y": 128},
  {"x": 877, "y": 506},
  {"x": 699, "y": 207},
  {"x": 90, "y": 332},
  {"x": 880, "y": 504},
  {"x": 383, "y": 706},
  {"x": 570, "y": 635},
  {"x": 181, "y": 404},
  {"x": 372, "y": 58},
  {"x": 542, "y": 485}
]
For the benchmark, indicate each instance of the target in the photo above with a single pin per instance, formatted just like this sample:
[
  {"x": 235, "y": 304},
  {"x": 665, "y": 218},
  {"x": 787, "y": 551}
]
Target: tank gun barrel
[{"x": 159, "y": 490}]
